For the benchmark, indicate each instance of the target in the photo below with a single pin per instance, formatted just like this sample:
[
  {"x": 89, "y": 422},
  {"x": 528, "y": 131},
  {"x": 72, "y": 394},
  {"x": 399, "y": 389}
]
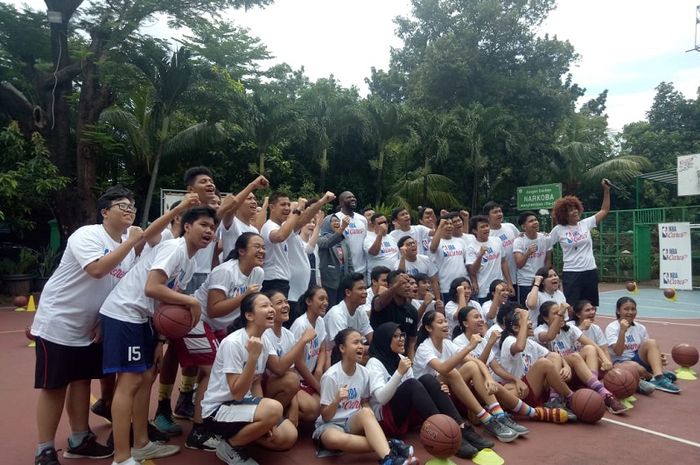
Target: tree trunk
[
  {"x": 426, "y": 170},
  {"x": 323, "y": 167},
  {"x": 261, "y": 162},
  {"x": 151, "y": 186},
  {"x": 379, "y": 181}
]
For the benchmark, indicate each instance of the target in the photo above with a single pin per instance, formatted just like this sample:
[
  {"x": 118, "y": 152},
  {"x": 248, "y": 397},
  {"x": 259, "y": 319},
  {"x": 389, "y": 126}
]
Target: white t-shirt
[
  {"x": 576, "y": 244},
  {"x": 299, "y": 262},
  {"x": 507, "y": 234},
  {"x": 388, "y": 252},
  {"x": 450, "y": 261},
  {"x": 313, "y": 349},
  {"x": 462, "y": 341},
  {"x": 378, "y": 377},
  {"x": 203, "y": 258},
  {"x": 128, "y": 301},
  {"x": 535, "y": 261},
  {"x": 71, "y": 300},
  {"x": 230, "y": 236},
  {"x": 165, "y": 235},
  {"x": 634, "y": 337},
  {"x": 281, "y": 344},
  {"x": 594, "y": 333},
  {"x": 451, "y": 309},
  {"x": 355, "y": 238},
  {"x": 422, "y": 264},
  {"x": 397, "y": 234},
  {"x": 490, "y": 268},
  {"x": 519, "y": 364},
  {"x": 229, "y": 279},
  {"x": 231, "y": 357},
  {"x": 423, "y": 237},
  {"x": 543, "y": 297},
  {"x": 338, "y": 318},
  {"x": 427, "y": 351},
  {"x": 276, "y": 263},
  {"x": 357, "y": 386},
  {"x": 564, "y": 343}
]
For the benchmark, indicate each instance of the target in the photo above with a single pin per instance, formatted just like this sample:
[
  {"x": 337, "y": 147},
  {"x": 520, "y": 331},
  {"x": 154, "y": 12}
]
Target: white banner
[{"x": 675, "y": 263}]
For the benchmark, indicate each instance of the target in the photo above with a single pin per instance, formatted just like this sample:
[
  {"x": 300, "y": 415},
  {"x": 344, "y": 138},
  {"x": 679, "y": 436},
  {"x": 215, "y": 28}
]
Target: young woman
[
  {"x": 554, "y": 333},
  {"x": 459, "y": 296},
  {"x": 316, "y": 358},
  {"x": 629, "y": 340},
  {"x": 334, "y": 256},
  {"x": 498, "y": 294},
  {"x": 583, "y": 318},
  {"x": 280, "y": 382},
  {"x": 470, "y": 323},
  {"x": 347, "y": 423},
  {"x": 233, "y": 406},
  {"x": 438, "y": 356},
  {"x": 545, "y": 288},
  {"x": 397, "y": 396}
]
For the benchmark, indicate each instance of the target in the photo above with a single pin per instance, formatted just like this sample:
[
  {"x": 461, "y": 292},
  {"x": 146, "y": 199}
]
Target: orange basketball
[
  {"x": 441, "y": 436},
  {"x": 588, "y": 405},
  {"x": 684, "y": 355},
  {"x": 620, "y": 382},
  {"x": 20, "y": 301},
  {"x": 172, "y": 321}
]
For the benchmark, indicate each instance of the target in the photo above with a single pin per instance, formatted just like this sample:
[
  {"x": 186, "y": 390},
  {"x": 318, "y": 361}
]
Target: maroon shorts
[
  {"x": 389, "y": 425},
  {"x": 531, "y": 399},
  {"x": 307, "y": 388},
  {"x": 198, "y": 347}
]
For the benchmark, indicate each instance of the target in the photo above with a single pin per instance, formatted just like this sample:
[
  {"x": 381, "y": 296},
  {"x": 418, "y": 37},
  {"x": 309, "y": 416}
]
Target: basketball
[
  {"x": 441, "y": 436},
  {"x": 620, "y": 382},
  {"x": 588, "y": 405},
  {"x": 172, "y": 321},
  {"x": 631, "y": 286},
  {"x": 632, "y": 368},
  {"x": 669, "y": 293},
  {"x": 684, "y": 355},
  {"x": 28, "y": 333},
  {"x": 20, "y": 301}
]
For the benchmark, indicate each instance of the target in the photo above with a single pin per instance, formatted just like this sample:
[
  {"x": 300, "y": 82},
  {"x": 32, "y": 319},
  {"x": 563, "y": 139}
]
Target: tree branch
[
  {"x": 64, "y": 74},
  {"x": 15, "y": 104}
]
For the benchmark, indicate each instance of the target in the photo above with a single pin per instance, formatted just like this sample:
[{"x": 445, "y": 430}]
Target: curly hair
[{"x": 562, "y": 207}]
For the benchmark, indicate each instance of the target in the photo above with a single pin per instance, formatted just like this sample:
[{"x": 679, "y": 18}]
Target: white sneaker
[
  {"x": 233, "y": 455},
  {"x": 129, "y": 461},
  {"x": 154, "y": 450}
]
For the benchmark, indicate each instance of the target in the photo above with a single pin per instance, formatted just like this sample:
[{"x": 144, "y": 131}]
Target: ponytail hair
[
  {"x": 620, "y": 302},
  {"x": 452, "y": 293},
  {"x": 339, "y": 340},
  {"x": 423, "y": 334},
  {"x": 308, "y": 295},
  {"x": 544, "y": 313},
  {"x": 578, "y": 307},
  {"x": 492, "y": 288},
  {"x": 507, "y": 318},
  {"x": 462, "y": 315},
  {"x": 247, "y": 306},
  {"x": 241, "y": 244}
]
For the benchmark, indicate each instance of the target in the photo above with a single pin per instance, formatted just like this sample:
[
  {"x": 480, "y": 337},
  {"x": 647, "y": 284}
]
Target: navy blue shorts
[
  {"x": 637, "y": 358},
  {"x": 126, "y": 347}
]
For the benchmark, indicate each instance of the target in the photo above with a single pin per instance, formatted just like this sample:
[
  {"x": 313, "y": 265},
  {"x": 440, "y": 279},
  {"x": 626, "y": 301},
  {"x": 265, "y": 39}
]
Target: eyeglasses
[
  {"x": 399, "y": 336},
  {"x": 125, "y": 207}
]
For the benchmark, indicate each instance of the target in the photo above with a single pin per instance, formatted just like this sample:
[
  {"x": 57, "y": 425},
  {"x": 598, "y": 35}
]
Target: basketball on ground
[
  {"x": 620, "y": 382},
  {"x": 669, "y": 293},
  {"x": 441, "y": 436},
  {"x": 172, "y": 321},
  {"x": 20, "y": 301},
  {"x": 684, "y": 355},
  {"x": 632, "y": 368},
  {"x": 588, "y": 405}
]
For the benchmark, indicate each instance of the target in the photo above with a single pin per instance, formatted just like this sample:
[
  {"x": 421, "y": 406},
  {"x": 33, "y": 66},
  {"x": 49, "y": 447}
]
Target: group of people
[{"x": 332, "y": 319}]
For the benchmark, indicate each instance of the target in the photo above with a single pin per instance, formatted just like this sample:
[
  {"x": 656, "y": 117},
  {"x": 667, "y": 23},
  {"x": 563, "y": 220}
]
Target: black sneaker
[
  {"x": 466, "y": 450},
  {"x": 184, "y": 407},
  {"x": 401, "y": 448},
  {"x": 47, "y": 457},
  {"x": 200, "y": 439},
  {"x": 101, "y": 409},
  {"x": 156, "y": 435},
  {"x": 89, "y": 448},
  {"x": 473, "y": 438}
]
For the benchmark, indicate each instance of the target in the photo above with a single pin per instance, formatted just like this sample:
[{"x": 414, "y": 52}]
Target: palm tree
[{"x": 386, "y": 124}]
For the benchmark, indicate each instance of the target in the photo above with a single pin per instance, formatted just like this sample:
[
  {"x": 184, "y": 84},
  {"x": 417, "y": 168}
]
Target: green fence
[{"x": 626, "y": 243}]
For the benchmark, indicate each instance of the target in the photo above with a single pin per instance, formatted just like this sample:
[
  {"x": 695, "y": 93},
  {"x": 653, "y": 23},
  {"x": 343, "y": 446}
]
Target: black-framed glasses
[
  {"x": 399, "y": 336},
  {"x": 125, "y": 207}
]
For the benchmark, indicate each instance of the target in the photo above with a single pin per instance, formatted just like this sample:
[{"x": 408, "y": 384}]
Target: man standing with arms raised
[{"x": 356, "y": 231}]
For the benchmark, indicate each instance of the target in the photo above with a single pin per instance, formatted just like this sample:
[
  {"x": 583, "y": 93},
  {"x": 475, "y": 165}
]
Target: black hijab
[{"x": 380, "y": 348}]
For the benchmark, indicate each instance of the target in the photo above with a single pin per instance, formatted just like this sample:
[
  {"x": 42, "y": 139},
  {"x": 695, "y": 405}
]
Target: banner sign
[
  {"x": 538, "y": 197},
  {"x": 675, "y": 262}
]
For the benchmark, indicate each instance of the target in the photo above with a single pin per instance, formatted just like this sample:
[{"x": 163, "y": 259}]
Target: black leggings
[{"x": 425, "y": 396}]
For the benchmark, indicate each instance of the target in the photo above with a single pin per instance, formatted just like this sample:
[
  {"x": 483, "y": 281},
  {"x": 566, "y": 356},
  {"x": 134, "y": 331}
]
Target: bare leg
[
  {"x": 283, "y": 437},
  {"x": 139, "y": 412},
  {"x": 590, "y": 355},
  {"x": 579, "y": 367},
  {"x": 49, "y": 408},
  {"x": 123, "y": 403},
  {"x": 107, "y": 384},
  {"x": 365, "y": 436},
  {"x": 78, "y": 405},
  {"x": 470, "y": 372},
  {"x": 544, "y": 374},
  {"x": 460, "y": 389},
  {"x": 267, "y": 415},
  {"x": 283, "y": 389},
  {"x": 203, "y": 382},
  {"x": 650, "y": 353},
  {"x": 309, "y": 406}
]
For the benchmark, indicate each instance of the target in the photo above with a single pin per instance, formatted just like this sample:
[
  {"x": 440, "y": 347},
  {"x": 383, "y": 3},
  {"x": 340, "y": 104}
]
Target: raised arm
[{"x": 605, "y": 207}]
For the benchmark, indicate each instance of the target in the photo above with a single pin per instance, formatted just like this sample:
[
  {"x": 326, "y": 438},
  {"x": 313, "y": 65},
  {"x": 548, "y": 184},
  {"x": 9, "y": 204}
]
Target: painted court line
[{"x": 655, "y": 433}]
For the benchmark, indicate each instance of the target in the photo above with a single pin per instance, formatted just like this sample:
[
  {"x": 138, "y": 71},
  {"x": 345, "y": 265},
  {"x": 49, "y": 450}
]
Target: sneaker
[
  {"x": 508, "y": 421},
  {"x": 88, "y": 448},
  {"x": 552, "y": 415},
  {"x": 663, "y": 384},
  {"x": 184, "y": 407},
  {"x": 101, "y": 409},
  {"x": 501, "y": 431},
  {"x": 164, "y": 420},
  {"x": 645, "y": 387},
  {"x": 614, "y": 406},
  {"x": 401, "y": 448},
  {"x": 475, "y": 439},
  {"x": 47, "y": 457},
  {"x": 671, "y": 376},
  {"x": 233, "y": 455},
  {"x": 200, "y": 439},
  {"x": 466, "y": 450},
  {"x": 154, "y": 450},
  {"x": 155, "y": 435},
  {"x": 394, "y": 459}
]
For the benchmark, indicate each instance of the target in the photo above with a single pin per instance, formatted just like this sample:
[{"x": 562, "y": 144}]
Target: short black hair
[
  {"x": 490, "y": 205},
  {"x": 367, "y": 209},
  {"x": 110, "y": 195},
  {"x": 192, "y": 173},
  {"x": 475, "y": 220},
  {"x": 195, "y": 213},
  {"x": 348, "y": 281},
  {"x": 275, "y": 196},
  {"x": 394, "y": 275},
  {"x": 395, "y": 212},
  {"x": 377, "y": 271},
  {"x": 403, "y": 240},
  {"x": 421, "y": 277},
  {"x": 522, "y": 218},
  {"x": 375, "y": 216}
]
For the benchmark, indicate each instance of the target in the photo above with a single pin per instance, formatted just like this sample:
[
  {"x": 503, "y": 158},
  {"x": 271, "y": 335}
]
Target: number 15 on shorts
[{"x": 134, "y": 353}]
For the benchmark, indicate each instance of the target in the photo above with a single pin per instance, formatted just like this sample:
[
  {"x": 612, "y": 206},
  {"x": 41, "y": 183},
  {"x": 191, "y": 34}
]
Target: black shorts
[
  {"x": 57, "y": 365},
  {"x": 581, "y": 285}
]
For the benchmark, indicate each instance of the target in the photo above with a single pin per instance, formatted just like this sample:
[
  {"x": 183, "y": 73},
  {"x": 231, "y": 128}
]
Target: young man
[
  {"x": 506, "y": 233},
  {"x": 347, "y": 314},
  {"x": 395, "y": 305},
  {"x": 401, "y": 220},
  {"x": 532, "y": 251},
  {"x": 66, "y": 325},
  {"x": 449, "y": 254},
  {"x": 276, "y": 231},
  {"x": 131, "y": 347},
  {"x": 240, "y": 214},
  {"x": 378, "y": 284},
  {"x": 381, "y": 248},
  {"x": 485, "y": 258},
  {"x": 356, "y": 231},
  {"x": 415, "y": 264}
]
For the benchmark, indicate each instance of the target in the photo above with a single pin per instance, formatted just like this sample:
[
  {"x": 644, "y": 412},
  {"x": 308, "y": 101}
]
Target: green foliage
[{"x": 26, "y": 263}]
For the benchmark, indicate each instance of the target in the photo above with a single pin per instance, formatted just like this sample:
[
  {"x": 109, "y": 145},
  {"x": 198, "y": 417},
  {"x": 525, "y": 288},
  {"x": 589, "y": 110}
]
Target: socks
[
  {"x": 552, "y": 415},
  {"x": 598, "y": 387},
  {"x": 553, "y": 395},
  {"x": 165, "y": 391},
  {"x": 76, "y": 438},
  {"x": 43, "y": 446},
  {"x": 484, "y": 416},
  {"x": 496, "y": 410},
  {"x": 521, "y": 408},
  {"x": 187, "y": 383}
]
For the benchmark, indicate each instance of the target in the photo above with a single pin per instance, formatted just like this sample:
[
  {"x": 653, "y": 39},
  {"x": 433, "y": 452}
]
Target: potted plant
[
  {"x": 49, "y": 259},
  {"x": 17, "y": 274}
]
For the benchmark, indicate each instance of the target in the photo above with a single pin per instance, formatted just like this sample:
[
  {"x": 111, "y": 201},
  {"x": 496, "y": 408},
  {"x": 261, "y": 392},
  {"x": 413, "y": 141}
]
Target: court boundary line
[
  {"x": 657, "y": 322},
  {"x": 652, "y": 432}
]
